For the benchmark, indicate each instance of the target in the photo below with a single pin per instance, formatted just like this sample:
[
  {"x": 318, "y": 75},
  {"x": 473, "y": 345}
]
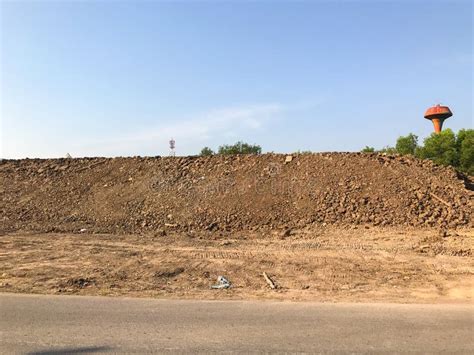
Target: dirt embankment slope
[{"x": 230, "y": 193}]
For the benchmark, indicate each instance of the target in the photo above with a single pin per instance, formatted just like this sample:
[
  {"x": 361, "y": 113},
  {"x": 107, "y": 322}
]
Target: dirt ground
[{"x": 327, "y": 264}]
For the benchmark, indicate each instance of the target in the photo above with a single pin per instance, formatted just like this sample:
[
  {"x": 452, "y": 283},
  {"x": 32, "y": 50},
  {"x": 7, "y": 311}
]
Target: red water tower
[{"x": 437, "y": 114}]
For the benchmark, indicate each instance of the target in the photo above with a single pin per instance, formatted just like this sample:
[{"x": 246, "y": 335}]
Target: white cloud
[
  {"x": 190, "y": 134},
  {"x": 210, "y": 128}
]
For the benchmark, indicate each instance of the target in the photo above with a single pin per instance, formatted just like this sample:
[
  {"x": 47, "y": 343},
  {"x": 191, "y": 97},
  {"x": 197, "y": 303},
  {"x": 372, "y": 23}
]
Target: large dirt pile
[{"x": 230, "y": 193}]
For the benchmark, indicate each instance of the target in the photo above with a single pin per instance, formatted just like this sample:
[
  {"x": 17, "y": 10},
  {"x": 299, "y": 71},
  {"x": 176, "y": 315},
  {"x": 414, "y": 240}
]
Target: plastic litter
[{"x": 222, "y": 282}]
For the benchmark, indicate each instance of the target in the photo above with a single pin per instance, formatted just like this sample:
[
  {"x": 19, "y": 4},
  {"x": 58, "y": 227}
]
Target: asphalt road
[{"x": 57, "y": 324}]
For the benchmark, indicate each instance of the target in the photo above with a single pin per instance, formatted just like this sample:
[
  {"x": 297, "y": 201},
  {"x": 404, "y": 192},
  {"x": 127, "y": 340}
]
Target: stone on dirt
[{"x": 239, "y": 193}]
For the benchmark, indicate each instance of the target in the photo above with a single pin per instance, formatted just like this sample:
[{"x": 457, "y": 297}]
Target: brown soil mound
[{"x": 230, "y": 193}]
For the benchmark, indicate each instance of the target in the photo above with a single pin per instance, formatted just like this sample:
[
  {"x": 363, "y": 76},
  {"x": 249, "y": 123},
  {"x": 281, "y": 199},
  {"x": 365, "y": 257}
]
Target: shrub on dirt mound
[{"x": 230, "y": 193}]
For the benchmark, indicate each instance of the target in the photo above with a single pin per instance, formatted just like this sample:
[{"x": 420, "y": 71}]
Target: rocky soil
[{"x": 226, "y": 194}]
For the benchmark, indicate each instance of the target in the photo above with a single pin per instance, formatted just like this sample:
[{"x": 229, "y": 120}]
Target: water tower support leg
[{"x": 438, "y": 124}]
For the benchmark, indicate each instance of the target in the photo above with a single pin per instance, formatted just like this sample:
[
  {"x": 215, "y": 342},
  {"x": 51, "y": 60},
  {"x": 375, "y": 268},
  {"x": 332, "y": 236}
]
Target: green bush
[
  {"x": 441, "y": 148},
  {"x": 465, "y": 143},
  {"x": 206, "y": 151},
  {"x": 407, "y": 144},
  {"x": 368, "y": 149},
  {"x": 239, "y": 148},
  {"x": 445, "y": 148},
  {"x": 388, "y": 150}
]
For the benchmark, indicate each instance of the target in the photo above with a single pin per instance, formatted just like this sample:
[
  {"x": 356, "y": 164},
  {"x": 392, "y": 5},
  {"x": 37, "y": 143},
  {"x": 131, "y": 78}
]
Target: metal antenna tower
[{"x": 172, "y": 147}]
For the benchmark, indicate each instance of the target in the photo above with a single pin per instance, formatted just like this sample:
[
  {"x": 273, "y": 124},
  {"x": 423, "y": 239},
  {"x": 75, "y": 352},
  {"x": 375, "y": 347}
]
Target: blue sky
[{"x": 109, "y": 78}]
